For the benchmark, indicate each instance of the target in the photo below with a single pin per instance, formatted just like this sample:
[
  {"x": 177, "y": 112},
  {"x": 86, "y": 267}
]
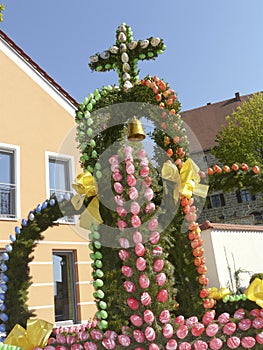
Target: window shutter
[
  {"x": 238, "y": 195},
  {"x": 222, "y": 200}
]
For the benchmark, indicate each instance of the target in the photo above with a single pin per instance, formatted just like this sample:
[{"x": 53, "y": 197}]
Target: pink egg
[
  {"x": 200, "y": 345},
  {"x": 117, "y": 176},
  {"x": 133, "y": 303},
  {"x": 133, "y": 193},
  {"x": 142, "y": 153},
  {"x": 191, "y": 320},
  {"x": 248, "y": 342},
  {"x": 146, "y": 299},
  {"x": 229, "y": 328},
  {"x": 160, "y": 279},
  {"x": 144, "y": 162},
  {"x": 164, "y": 316},
  {"x": 144, "y": 281},
  {"x": 111, "y": 334},
  {"x": 148, "y": 194},
  {"x": 129, "y": 286},
  {"x": 212, "y": 329},
  {"x": 96, "y": 334},
  {"x": 171, "y": 345},
  {"x": 141, "y": 264},
  {"x": 124, "y": 243},
  {"x": 257, "y": 323},
  {"x": 122, "y": 225},
  {"x": 130, "y": 169},
  {"x": 137, "y": 237},
  {"x": 148, "y": 316},
  {"x": 136, "y": 320},
  {"x": 127, "y": 271},
  {"x": 255, "y": 312},
  {"x": 121, "y": 211},
  {"x": 128, "y": 150},
  {"x": 168, "y": 331},
  {"x": 208, "y": 317},
  {"x": 162, "y": 296},
  {"x": 131, "y": 180},
  {"x": 158, "y": 265},
  {"x": 108, "y": 343},
  {"x": 144, "y": 171},
  {"x": 90, "y": 346},
  {"x": 114, "y": 159},
  {"x": 135, "y": 221},
  {"x": 233, "y": 342},
  {"x": 244, "y": 324},
  {"x": 179, "y": 320},
  {"x": 216, "y": 344},
  {"x": 182, "y": 332},
  {"x": 259, "y": 338},
  {"x": 149, "y": 333},
  {"x": 147, "y": 181},
  {"x": 119, "y": 200},
  {"x": 138, "y": 336},
  {"x": 124, "y": 254},
  {"x": 157, "y": 251},
  {"x": 239, "y": 314},
  {"x": 197, "y": 329},
  {"x": 150, "y": 207},
  {"x": 135, "y": 208},
  {"x": 185, "y": 346},
  {"x": 118, "y": 187},
  {"x": 153, "y": 347},
  {"x": 124, "y": 340},
  {"x": 139, "y": 249},
  {"x": 224, "y": 318},
  {"x": 152, "y": 224},
  {"x": 154, "y": 237}
]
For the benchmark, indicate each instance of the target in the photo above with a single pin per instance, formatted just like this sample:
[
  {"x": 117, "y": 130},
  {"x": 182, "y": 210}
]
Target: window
[
  {"x": 64, "y": 286},
  {"x": 9, "y": 181},
  {"x": 244, "y": 196},
  {"x": 60, "y": 178},
  {"x": 215, "y": 201}
]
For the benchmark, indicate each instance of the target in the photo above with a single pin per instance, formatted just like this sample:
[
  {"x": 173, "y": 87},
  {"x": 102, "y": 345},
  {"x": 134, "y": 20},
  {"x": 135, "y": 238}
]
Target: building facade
[
  {"x": 38, "y": 156},
  {"x": 202, "y": 125}
]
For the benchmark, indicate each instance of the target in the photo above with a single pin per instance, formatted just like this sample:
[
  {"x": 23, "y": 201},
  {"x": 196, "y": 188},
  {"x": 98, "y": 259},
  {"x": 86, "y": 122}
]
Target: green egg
[
  {"x": 98, "y": 255},
  {"x": 150, "y": 54},
  {"x": 95, "y": 295},
  {"x": 99, "y": 273},
  {"x": 96, "y": 235},
  {"x": 102, "y": 305},
  {"x": 92, "y": 256},
  {"x": 92, "y": 143},
  {"x": 100, "y": 294},
  {"x": 103, "y": 324},
  {"x": 142, "y": 56},
  {"x": 103, "y": 314},
  {"x": 98, "y": 315},
  {"x": 99, "y": 282},
  {"x": 90, "y": 122},
  {"x": 91, "y": 247},
  {"x": 98, "y": 264},
  {"x": 98, "y": 174},
  {"x": 98, "y": 97},
  {"x": 99, "y": 68},
  {"x": 89, "y": 106},
  {"x": 97, "y": 244},
  {"x": 87, "y": 114},
  {"x": 94, "y": 154},
  {"x": 98, "y": 166},
  {"x": 108, "y": 66},
  {"x": 90, "y": 169},
  {"x": 89, "y": 132}
]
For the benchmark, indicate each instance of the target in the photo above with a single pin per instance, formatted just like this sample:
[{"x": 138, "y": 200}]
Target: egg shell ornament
[
  {"x": 114, "y": 49},
  {"x": 136, "y": 320},
  {"x": 126, "y": 76},
  {"x": 168, "y": 330},
  {"x": 154, "y": 346},
  {"x": 139, "y": 249},
  {"x": 133, "y": 303},
  {"x": 229, "y": 328},
  {"x": 127, "y": 271},
  {"x": 96, "y": 334},
  {"x": 215, "y": 344},
  {"x": 94, "y": 59},
  {"x": 126, "y": 67},
  {"x": 105, "y": 55},
  {"x": 149, "y": 333},
  {"x": 158, "y": 265},
  {"x": 123, "y": 47},
  {"x": 144, "y": 44},
  {"x": 124, "y": 57},
  {"x": 144, "y": 281},
  {"x": 135, "y": 208},
  {"x": 164, "y": 316},
  {"x": 155, "y": 41},
  {"x": 109, "y": 344},
  {"x": 160, "y": 279},
  {"x": 146, "y": 299},
  {"x": 162, "y": 296},
  {"x": 137, "y": 237},
  {"x": 122, "y": 37},
  {"x": 233, "y": 342},
  {"x": 157, "y": 251},
  {"x": 124, "y": 340},
  {"x": 154, "y": 237},
  {"x": 148, "y": 316},
  {"x": 124, "y": 254},
  {"x": 129, "y": 286},
  {"x": 132, "y": 45},
  {"x": 182, "y": 332},
  {"x": 141, "y": 264},
  {"x": 122, "y": 28},
  {"x": 171, "y": 345},
  {"x": 138, "y": 336}
]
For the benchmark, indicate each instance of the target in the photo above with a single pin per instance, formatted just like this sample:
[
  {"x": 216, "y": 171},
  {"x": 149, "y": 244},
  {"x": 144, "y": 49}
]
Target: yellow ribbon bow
[
  {"x": 85, "y": 186},
  {"x": 254, "y": 292},
  {"x": 36, "y": 335},
  {"x": 187, "y": 181},
  {"x": 218, "y": 294}
]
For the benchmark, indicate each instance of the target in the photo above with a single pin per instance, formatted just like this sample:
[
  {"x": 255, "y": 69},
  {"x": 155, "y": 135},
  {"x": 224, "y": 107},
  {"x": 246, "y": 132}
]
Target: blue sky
[{"x": 214, "y": 48}]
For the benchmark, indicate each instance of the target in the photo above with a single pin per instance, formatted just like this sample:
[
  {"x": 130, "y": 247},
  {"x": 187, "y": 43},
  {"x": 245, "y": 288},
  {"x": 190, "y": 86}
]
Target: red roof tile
[
  {"x": 229, "y": 227},
  {"x": 24, "y": 56}
]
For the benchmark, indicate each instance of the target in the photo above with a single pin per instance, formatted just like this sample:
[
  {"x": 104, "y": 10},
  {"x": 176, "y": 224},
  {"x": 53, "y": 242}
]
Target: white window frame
[
  {"x": 16, "y": 151},
  {"x": 63, "y": 157}
]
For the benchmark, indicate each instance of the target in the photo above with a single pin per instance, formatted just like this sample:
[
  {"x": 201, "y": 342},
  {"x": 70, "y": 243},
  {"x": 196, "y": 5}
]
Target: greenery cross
[{"x": 124, "y": 55}]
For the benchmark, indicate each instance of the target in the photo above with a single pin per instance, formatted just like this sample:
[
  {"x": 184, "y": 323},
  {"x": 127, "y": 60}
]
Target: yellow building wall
[{"x": 32, "y": 119}]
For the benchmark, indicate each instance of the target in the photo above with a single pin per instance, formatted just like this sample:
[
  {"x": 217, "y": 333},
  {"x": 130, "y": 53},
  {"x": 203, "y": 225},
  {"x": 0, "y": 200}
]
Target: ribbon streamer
[
  {"x": 85, "y": 186},
  {"x": 254, "y": 292},
  {"x": 36, "y": 335},
  {"x": 187, "y": 181},
  {"x": 218, "y": 294}
]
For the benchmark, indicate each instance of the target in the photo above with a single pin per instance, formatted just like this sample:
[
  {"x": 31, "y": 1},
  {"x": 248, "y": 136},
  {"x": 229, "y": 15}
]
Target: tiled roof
[
  {"x": 45, "y": 76},
  {"x": 229, "y": 227},
  {"x": 206, "y": 121}
]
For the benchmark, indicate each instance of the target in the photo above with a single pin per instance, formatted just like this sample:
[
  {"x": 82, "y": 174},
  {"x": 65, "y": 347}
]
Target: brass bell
[{"x": 135, "y": 130}]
